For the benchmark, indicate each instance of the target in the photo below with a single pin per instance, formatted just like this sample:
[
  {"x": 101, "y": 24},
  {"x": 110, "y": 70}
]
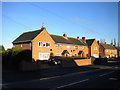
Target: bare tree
[
  {"x": 102, "y": 40},
  {"x": 114, "y": 41}
]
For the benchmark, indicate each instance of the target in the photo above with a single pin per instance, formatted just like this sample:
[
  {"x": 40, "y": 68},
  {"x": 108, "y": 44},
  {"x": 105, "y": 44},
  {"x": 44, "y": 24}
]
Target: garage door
[{"x": 44, "y": 56}]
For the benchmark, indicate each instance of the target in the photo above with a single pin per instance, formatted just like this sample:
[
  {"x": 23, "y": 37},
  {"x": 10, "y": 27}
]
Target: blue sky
[{"x": 84, "y": 19}]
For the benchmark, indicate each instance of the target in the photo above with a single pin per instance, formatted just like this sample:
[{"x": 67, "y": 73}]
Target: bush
[
  {"x": 51, "y": 54},
  {"x": 12, "y": 57}
]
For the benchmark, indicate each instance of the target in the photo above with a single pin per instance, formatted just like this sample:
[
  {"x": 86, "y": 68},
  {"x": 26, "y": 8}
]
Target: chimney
[
  {"x": 43, "y": 27},
  {"x": 84, "y": 40},
  {"x": 78, "y": 38},
  {"x": 65, "y": 35},
  {"x": 98, "y": 42}
]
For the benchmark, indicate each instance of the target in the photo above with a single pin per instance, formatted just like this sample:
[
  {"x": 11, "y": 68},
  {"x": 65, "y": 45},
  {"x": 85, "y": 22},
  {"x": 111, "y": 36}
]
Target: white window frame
[
  {"x": 46, "y": 44},
  {"x": 95, "y": 48},
  {"x": 43, "y": 44},
  {"x": 75, "y": 47},
  {"x": 58, "y": 46},
  {"x": 58, "y": 54},
  {"x": 40, "y": 44},
  {"x": 106, "y": 50},
  {"x": 21, "y": 45},
  {"x": 82, "y": 47},
  {"x": 95, "y": 54}
]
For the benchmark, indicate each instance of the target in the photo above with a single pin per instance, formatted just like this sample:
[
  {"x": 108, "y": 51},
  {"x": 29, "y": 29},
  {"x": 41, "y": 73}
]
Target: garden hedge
[{"x": 12, "y": 57}]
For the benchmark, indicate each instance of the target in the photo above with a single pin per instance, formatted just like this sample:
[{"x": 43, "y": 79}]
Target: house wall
[
  {"x": 23, "y": 46},
  {"x": 111, "y": 52},
  {"x": 42, "y": 37},
  {"x": 92, "y": 51},
  {"x": 72, "y": 51},
  {"x": 102, "y": 51},
  {"x": 45, "y": 37}
]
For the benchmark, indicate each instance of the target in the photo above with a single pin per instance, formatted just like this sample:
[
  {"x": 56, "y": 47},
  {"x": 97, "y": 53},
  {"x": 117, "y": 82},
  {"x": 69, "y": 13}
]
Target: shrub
[
  {"x": 51, "y": 54},
  {"x": 12, "y": 57}
]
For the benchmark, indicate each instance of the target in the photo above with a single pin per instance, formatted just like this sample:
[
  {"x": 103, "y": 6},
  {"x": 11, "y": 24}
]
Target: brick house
[
  {"x": 42, "y": 44},
  {"x": 107, "y": 50},
  {"x": 93, "y": 48}
]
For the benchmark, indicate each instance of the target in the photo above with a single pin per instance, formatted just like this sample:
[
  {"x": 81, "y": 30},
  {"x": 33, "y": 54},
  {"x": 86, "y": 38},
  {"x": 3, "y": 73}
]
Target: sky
[{"x": 97, "y": 20}]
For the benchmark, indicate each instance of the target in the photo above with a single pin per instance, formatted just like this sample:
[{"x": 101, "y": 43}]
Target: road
[{"x": 106, "y": 76}]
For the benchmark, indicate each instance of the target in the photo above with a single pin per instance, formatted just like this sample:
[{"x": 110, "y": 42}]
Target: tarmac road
[{"x": 102, "y": 76}]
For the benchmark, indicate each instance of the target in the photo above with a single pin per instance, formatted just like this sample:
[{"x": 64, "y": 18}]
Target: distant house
[
  {"x": 118, "y": 51},
  {"x": 93, "y": 48},
  {"x": 107, "y": 50},
  {"x": 42, "y": 44}
]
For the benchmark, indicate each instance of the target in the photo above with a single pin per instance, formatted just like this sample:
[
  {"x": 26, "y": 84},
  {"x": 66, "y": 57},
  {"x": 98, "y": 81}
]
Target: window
[
  {"x": 21, "y": 45},
  {"x": 58, "y": 54},
  {"x": 50, "y": 49},
  {"x": 13, "y": 45},
  {"x": 58, "y": 46},
  {"x": 30, "y": 44},
  {"x": 95, "y": 48},
  {"x": 68, "y": 47},
  {"x": 43, "y": 44},
  {"x": 82, "y": 47},
  {"x": 106, "y": 50},
  {"x": 75, "y": 47},
  {"x": 95, "y": 54},
  {"x": 75, "y": 54},
  {"x": 47, "y": 44},
  {"x": 40, "y": 44}
]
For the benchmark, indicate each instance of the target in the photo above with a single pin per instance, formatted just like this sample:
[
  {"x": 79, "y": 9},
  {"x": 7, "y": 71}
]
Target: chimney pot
[
  {"x": 98, "y": 42},
  {"x": 78, "y": 37},
  {"x": 83, "y": 38},
  {"x": 65, "y": 35}
]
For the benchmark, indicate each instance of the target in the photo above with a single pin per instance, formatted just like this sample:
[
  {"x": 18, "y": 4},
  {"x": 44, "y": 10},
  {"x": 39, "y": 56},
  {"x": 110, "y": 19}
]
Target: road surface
[{"x": 107, "y": 76}]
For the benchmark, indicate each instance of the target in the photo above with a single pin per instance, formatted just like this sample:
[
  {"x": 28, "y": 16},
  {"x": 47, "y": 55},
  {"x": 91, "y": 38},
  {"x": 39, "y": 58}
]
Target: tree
[
  {"x": 114, "y": 41},
  {"x": 2, "y": 48},
  {"x": 102, "y": 40}
]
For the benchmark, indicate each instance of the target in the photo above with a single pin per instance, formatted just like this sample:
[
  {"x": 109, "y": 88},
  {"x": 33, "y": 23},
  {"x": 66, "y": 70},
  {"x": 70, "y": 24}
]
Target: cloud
[{"x": 85, "y": 21}]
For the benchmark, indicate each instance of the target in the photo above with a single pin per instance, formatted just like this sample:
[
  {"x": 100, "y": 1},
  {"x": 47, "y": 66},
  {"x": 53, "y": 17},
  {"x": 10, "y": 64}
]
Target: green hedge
[{"x": 12, "y": 57}]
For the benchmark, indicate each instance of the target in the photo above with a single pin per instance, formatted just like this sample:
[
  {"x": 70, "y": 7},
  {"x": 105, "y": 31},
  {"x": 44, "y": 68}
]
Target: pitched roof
[
  {"x": 27, "y": 36},
  {"x": 107, "y": 46},
  {"x": 90, "y": 41},
  {"x": 68, "y": 40}
]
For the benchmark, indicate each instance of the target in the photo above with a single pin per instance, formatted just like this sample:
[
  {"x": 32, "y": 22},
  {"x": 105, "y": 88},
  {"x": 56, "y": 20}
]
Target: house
[
  {"x": 118, "y": 51},
  {"x": 107, "y": 50},
  {"x": 42, "y": 44},
  {"x": 93, "y": 48}
]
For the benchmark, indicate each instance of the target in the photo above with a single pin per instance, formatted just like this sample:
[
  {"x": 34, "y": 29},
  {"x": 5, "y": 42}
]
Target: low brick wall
[
  {"x": 75, "y": 63},
  {"x": 28, "y": 66}
]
